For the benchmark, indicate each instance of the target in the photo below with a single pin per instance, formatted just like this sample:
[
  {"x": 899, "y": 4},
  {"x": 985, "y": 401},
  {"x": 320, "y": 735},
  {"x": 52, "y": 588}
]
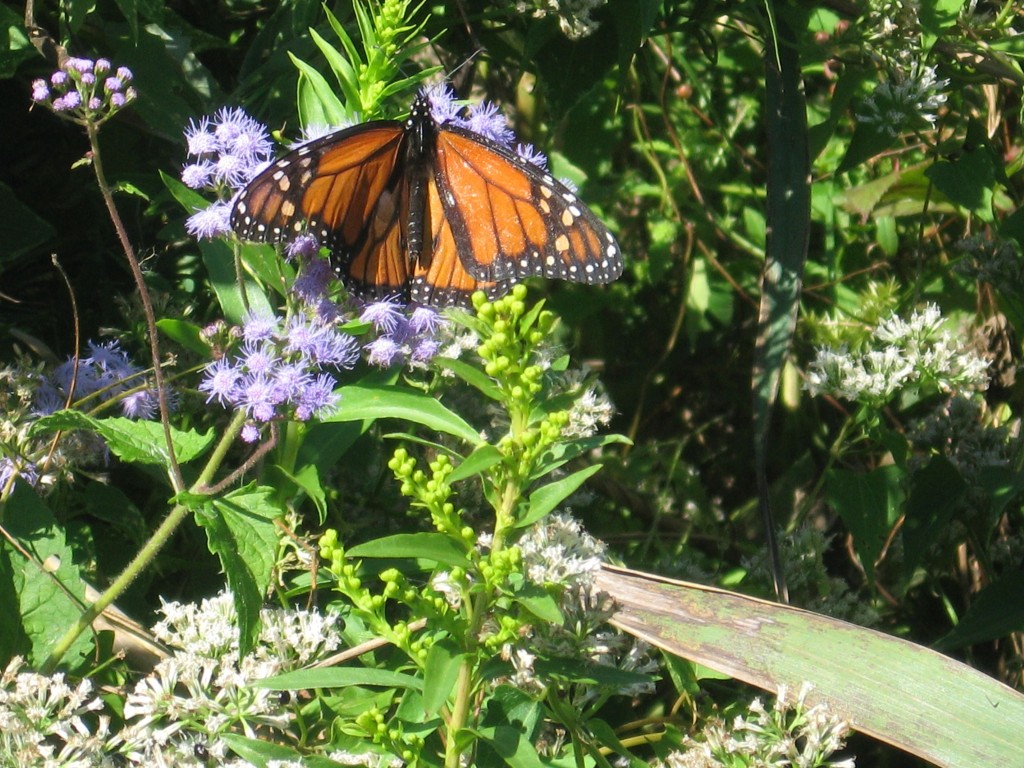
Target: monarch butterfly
[{"x": 426, "y": 210}]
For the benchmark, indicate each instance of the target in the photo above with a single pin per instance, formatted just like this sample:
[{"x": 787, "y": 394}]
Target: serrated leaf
[
  {"x": 240, "y": 530},
  {"x": 130, "y": 440},
  {"x": 435, "y": 547},
  {"x": 547, "y": 497},
  {"x": 49, "y": 601},
  {"x": 380, "y": 402}
]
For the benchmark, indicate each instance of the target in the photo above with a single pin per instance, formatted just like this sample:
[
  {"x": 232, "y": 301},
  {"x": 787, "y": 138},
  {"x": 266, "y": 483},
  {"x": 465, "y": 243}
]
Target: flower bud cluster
[{"x": 85, "y": 91}]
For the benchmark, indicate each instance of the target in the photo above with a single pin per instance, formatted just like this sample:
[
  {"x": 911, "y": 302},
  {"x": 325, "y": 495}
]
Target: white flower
[{"x": 559, "y": 551}]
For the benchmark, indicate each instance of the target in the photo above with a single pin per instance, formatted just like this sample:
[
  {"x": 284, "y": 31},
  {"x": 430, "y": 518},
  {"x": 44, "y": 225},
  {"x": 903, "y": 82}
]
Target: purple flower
[
  {"x": 443, "y": 108},
  {"x": 118, "y": 100},
  {"x": 95, "y": 103},
  {"x": 197, "y": 175},
  {"x": 250, "y": 433},
  {"x": 305, "y": 245},
  {"x": 47, "y": 399},
  {"x": 102, "y": 66},
  {"x": 317, "y": 399},
  {"x": 383, "y": 315},
  {"x": 487, "y": 120},
  {"x": 140, "y": 405},
  {"x": 88, "y": 78},
  {"x": 40, "y": 90},
  {"x": 313, "y": 281},
  {"x": 292, "y": 380},
  {"x": 259, "y": 396},
  {"x": 260, "y": 327},
  {"x": 425, "y": 350},
  {"x": 384, "y": 352},
  {"x": 113, "y": 85},
  {"x": 531, "y": 155},
  {"x": 426, "y": 320},
  {"x": 79, "y": 65},
  {"x": 25, "y": 470},
  {"x": 221, "y": 380},
  {"x": 232, "y": 170},
  {"x": 125, "y": 75},
  {"x": 58, "y": 78},
  {"x": 210, "y": 222},
  {"x": 259, "y": 358}
]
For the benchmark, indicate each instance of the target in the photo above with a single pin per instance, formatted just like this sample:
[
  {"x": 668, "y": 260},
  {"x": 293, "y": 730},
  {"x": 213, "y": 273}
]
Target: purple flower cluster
[
  {"x": 85, "y": 91},
  {"x": 277, "y": 370},
  {"x": 483, "y": 118},
  {"x": 401, "y": 335},
  {"x": 228, "y": 150},
  {"x": 106, "y": 374}
]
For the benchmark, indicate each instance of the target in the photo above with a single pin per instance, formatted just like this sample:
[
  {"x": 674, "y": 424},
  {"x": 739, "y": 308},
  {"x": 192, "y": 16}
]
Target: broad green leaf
[
  {"x": 387, "y": 402},
  {"x": 540, "y": 603},
  {"x": 512, "y": 745},
  {"x": 49, "y": 590},
  {"x": 936, "y": 17},
  {"x": 440, "y": 673},
  {"x": 339, "y": 677},
  {"x": 869, "y": 503},
  {"x": 906, "y": 695},
  {"x": 240, "y": 530},
  {"x": 936, "y": 493},
  {"x": 968, "y": 180},
  {"x": 869, "y": 140},
  {"x": 585, "y": 672},
  {"x": 259, "y": 753},
  {"x": 23, "y": 229},
  {"x": 547, "y": 497},
  {"x": 130, "y": 440},
  {"x": 185, "y": 334},
  {"x": 997, "y": 611},
  {"x": 435, "y": 547}
]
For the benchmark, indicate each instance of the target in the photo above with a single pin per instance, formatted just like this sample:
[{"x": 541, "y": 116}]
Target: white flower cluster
[
  {"x": 905, "y": 101},
  {"x": 790, "y": 734},
  {"x": 175, "y": 715},
  {"x": 573, "y": 15},
  {"x": 558, "y": 551},
  {"x": 899, "y": 354}
]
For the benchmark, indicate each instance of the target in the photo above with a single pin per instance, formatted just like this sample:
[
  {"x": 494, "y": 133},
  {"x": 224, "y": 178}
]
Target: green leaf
[
  {"x": 435, "y": 547},
  {"x": 967, "y": 181},
  {"x": 23, "y": 229},
  {"x": 869, "y": 140},
  {"x": 909, "y": 696},
  {"x": 540, "y": 603},
  {"x": 483, "y": 457},
  {"x": 317, "y": 103},
  {"x": 188, "y": 335},
  {"x": 562, "y": 453},
  {"x": 997, "y": 611},
  {"x": 49, "y": 591},
  {"x": 236, "y": 302},
  {"x": 869, "y": 504},
  {"x": 440, "y": 673},
  {"x": 307, "y": 479},
  {"x": 259, "y": 753},
  {"x": 382, "y": 402},
  {"x": 132, "y": 441},
  {"x": 240, "y": 530},
  {"x": 339, "y": 677},
  {"x": 512, "y": 745},
  {"x": 936, "y": 493},
  {"x": 936, "y": 17},
  {"x": 547, "y": 497},
  {"x": 471, "y": 375}
]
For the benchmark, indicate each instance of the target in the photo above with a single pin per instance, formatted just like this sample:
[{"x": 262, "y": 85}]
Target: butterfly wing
[
  {"x": 346, "y": 188},
  {"x": 510, "y": 219},
  {"x": 439, "y": 278}
]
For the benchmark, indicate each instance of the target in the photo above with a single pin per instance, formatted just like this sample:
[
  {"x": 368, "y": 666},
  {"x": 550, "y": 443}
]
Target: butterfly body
[{"x": 431, "y": 212}]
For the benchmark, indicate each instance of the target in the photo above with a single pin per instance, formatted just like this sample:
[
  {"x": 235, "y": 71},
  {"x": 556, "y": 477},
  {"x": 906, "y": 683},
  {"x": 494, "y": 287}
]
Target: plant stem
[
  {"x": 177, "y": 480},
  {"x": 147, "y": 554}
]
